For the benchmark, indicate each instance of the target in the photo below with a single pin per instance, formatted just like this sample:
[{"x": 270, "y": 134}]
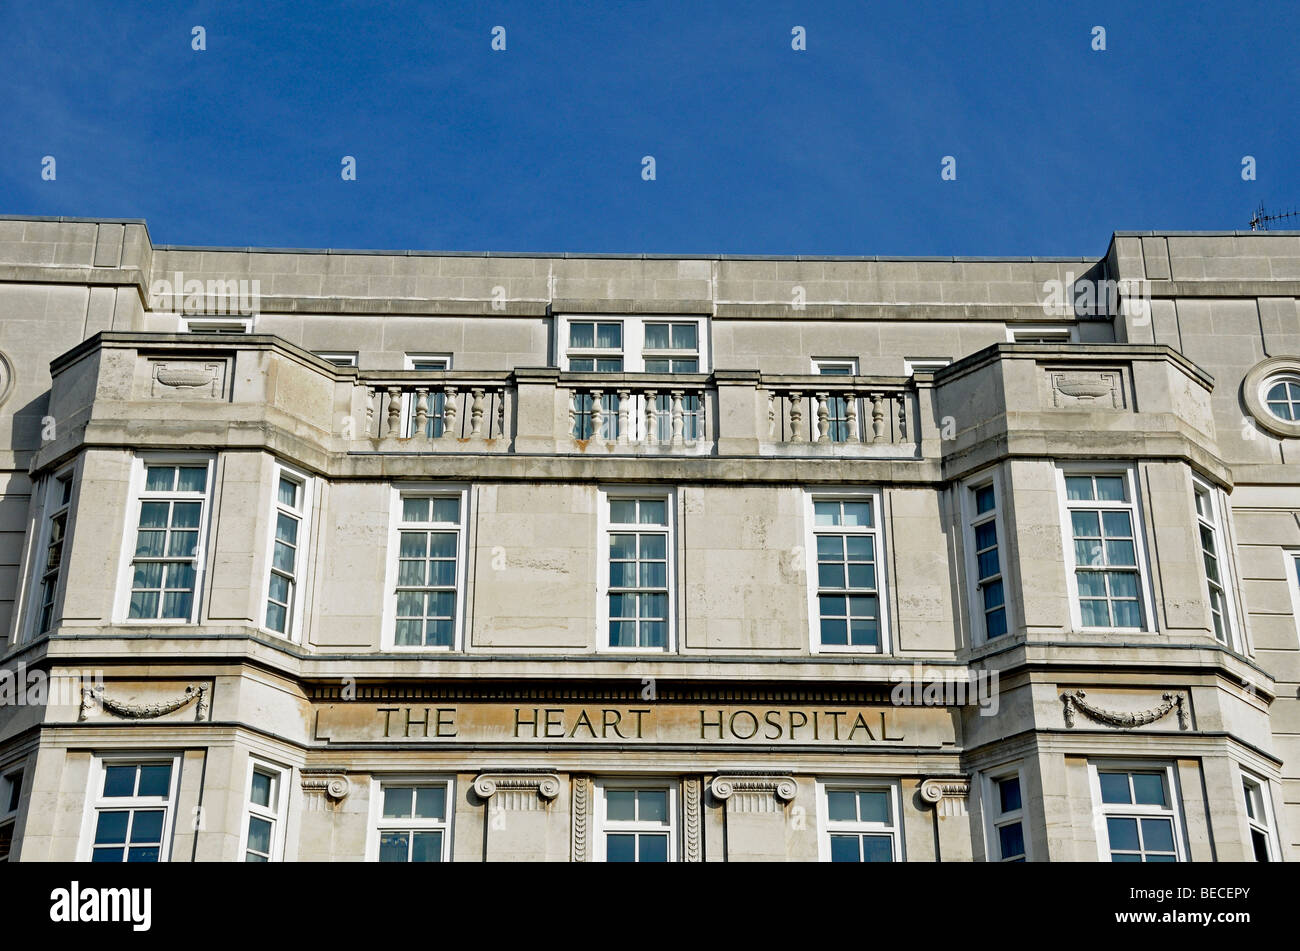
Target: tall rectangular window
[
  {"x": 288, "y": 543},
  {"x": 264, "y": 808},
  {"x": 58, "y": 502},
  {"x": 1006, "y": 815},
  {"x": 1140, "y": 814},
  {"x": 429, "y": 543},
  {"x": 987, "y": 571},
  {"x": 1104, "y": 551},
  {"x": 132, "y": 810},
  {"x": 860, "y": 823},
  {"x": 11, "y": 791},
  {"x": 1259, "y": 819},
  {"x": 638, "y": 823},
  {"x": 638, "y": 571},
  {"x": 170, "y": 528},
  {"x": 413, "y": 824},
  {"x": 848, "y": 610},
  {"x": 1210, "y": 537}
]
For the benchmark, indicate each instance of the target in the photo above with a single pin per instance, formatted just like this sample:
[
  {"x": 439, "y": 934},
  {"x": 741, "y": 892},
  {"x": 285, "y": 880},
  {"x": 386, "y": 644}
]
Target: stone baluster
[
  {"x": 651, "y": 416},
  {"x": 449, "y": 413},
  {"x": 796, "y": 416},
  {"x": 624, "y": 414},
  {"x": 902, "y": 417},
  {"x": 573, "y": 413},
  {"x": 500, "y": 397},
  {"x": 851, "y": 415},
  {"x": 597, "y": 414},
  {"x": 677, "y": 417},
  {"x": 370, "y": 411},
  {"x": 822, "y": 402},
  {"x": 394, "y": 410},
  {"x": 878, "y": 417},
  {"x": 771, "y": 415},
  {"x": 702, "y": 430},
  {"x": 421, "y": 412},
  {"x": 476, "y": 413}
]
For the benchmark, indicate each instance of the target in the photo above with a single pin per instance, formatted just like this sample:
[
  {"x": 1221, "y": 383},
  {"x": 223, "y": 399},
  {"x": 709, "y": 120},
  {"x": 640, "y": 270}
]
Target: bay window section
[
  {"x": 1210, "y": 535},
  {"x": 288, "y": 542},
  {"x": 131, "y": 810},
  {"x": 58, "y": 505},
  {"x": 1139, "y": 812}
]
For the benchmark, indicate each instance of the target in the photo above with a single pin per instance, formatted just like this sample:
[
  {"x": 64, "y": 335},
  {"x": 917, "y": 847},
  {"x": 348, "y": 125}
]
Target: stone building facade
[{"x": 404, "y": 556}]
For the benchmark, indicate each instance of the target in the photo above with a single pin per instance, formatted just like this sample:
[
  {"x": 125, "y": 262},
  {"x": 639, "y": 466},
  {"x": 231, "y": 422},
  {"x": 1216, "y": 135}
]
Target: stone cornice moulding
[
  {"x": 94, "y": 696},
  {"x": 947, "y": 794},
  {"x": 1120, "y": 720}
]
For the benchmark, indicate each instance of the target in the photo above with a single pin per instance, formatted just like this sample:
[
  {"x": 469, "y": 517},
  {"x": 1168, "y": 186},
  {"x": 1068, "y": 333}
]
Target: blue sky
[{"x": 758, "y": 148}]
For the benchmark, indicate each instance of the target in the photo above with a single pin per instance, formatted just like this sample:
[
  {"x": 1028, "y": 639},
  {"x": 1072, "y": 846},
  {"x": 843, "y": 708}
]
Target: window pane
[
  {"x": 1127, "y": 614},
  {"x": 159, "y": 478},
  {"x": 985, "y": 500},
  {"x": 996, "y": 622},
  {"x": 288, "y": 492},
  {"x": 841, "y": 806},
  {"x": 583, "y": 366},
  {"x": 654, "y": 546},
  {"x": 658, "y": 366},
  {"x": 874, "y": 805},
  {"x": 654, "y": 848},
  {"x": 620, "y": 805},
  {"x": 845, "y": 848},
  {"x": 989, "y": 564},
  {"x": 1114, "y": 787},
  {"x": 106, "y": 855},
  {"x": 877, "y": 848},
  {"x": 427, "y": 847},
  {"x": 260, "y": 792},
  {"x": 1009, "y": 794},
  {"x": 656, "y": 337},
  {"x": 860, "y": 547},
  {"x": 857, "y": 513},
  {"x": 111, "y": 827},
  {"x": 1158, "y": 835},
  {"x": 394, "y": 846},
  {"x": 1123, "y": 833},
  {"x": 1085, "y": 524},
  {"x": 654, "y": 512},
  {"x": 155, "y": 780},
  {"x": 826, "y": 513},
  {"x": 1259, "y": 840},
  {"x": 582, "y": 335},
  {"x": 1011, "y": 839},
  {"x": 430, "y": 802},
  {"x": 835, "y": 632},
  {"x": 622, "y": 511},
  {"x": 830, "y": 576},
  {"x": 1149, "y": 789},
  {"x": 620, "y": 848},
  {"x": 397, "y": 801},
  {"x": 609, "y": 336},
  {"x": 415, "y": 510},
  {"x": 259, "y": 835},
  {"x": 1120, "y": 553},
  {"x": 1078, "y": 487},
  {"x": 862, "y": 576},
  {"x": 139, "y": 854},
  {"x": 652, "y": 806},
  {"x": 1094, "y": 613},
  {"x": 1111, "y": 489},
  {"x": 146, "y": 826},
  {"x": 192, "y": 479}
]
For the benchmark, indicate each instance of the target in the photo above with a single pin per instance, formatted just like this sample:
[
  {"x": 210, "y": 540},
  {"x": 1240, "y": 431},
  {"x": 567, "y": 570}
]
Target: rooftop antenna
[{"x": 1259, "y": 220}]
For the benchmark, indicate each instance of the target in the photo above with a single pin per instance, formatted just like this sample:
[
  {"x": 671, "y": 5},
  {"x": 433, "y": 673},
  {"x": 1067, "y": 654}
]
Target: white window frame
[
  {"x": 603, "y": 530},
  {"x": 1266, "y": 824},
  {"x": 860, "y": 784},
  {"x": 411, "y": 361},
  {"x": 95, "y": 801},
  {"x": 1291, "y": 569},
  {"x": 8, "y": 816},
  {"x": 378, "y": 824},
  {"x": 276, "y": 814},
  {"x": 649, "y": 783},
  {"x": 914, "y": 365},
  {"x": 139, "y": 465},
  {"x": 1101, "y": 811},
  {"x": 633, "y": 350},
  {"x": 416, "y": 361},
  {"x": 207, "y": 325},
  {"x": 819, "y": 367},
  {"x": 293, "y": 630},
  {"x": 340, "y": 358},
  {"x": 1273, "y": 379},
  {"x": 854, "y": 493},
  {"x": 52, "y": 506},
  {"x": 1216, "y": 522},
  {"x": 970, "y": 520},
  {"x": 1134, "y": 506},
  {"x": 398, "y": 492},
  {"x": 1067, "y": 333},
  {"x": 995, "y": 818}
]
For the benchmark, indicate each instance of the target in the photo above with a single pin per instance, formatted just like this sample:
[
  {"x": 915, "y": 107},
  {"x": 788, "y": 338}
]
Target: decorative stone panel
[
  {"x": 187, "y": 379},
  {"x": 1076, "y": 703},
  {"x": 1088, "y": 389}
]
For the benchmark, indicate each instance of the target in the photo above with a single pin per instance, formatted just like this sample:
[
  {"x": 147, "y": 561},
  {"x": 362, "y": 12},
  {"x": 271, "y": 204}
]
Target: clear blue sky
[{"x": 758, "y": 148}]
